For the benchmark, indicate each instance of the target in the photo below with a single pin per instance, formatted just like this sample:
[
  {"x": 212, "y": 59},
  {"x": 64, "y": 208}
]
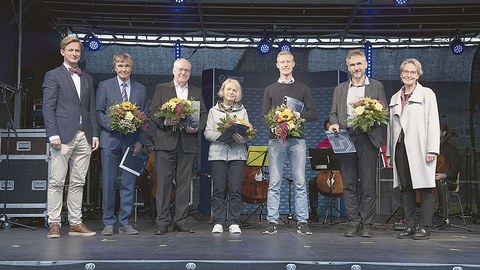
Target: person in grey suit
[
  {"x": 113, "y": 144},
  {"x": 72, "y": 130},
  {"x": 176, "y": 149},
  {"x": 358, "y": 169}
]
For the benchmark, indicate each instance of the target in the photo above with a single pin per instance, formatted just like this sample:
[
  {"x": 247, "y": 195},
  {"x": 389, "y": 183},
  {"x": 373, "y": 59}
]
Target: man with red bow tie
[{"x": 71, "y": 125}]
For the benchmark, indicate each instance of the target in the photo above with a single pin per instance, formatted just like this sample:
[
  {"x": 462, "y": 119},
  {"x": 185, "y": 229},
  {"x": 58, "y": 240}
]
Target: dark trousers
[
  {"x": 444, "y": 187},
  {"x": 313, "y": 194},
  {"x": 408, "y": 193},
  {"x": 178, "y": 165},
  {"x": 223, "y": 173},
  {"x": 359, "y": 200}
]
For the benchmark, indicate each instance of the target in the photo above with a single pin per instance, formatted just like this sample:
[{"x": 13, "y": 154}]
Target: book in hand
[
  {"x": 227, "y": 136},
  {"x": 294, "y": 103},
  {"x": 134, "y": 164},
  {"x": 193, "y": 120},
  {"x": 341, "y": 142}
]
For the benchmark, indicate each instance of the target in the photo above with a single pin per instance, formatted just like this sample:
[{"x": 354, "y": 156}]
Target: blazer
[
  {"x": 109, "y": 93},
  {"x": 166, "y": 139},
  {"x": 338, "y": 114},
  {"x": 62, "y": 107}
]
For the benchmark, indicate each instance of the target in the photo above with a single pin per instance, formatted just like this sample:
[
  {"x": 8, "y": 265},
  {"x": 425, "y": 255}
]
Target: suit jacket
[
  {"x": 109, "y": 93},
  {"x": 338, "y": 114},
  {"x": 62, "y": 107},
  {"x": 166, "y": 139}
]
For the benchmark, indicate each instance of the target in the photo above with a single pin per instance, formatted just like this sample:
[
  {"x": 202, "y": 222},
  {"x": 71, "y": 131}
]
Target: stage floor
[{"x": 21, "y": 248}]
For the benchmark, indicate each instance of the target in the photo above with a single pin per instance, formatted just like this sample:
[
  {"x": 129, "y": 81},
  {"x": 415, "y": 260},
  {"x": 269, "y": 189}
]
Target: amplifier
[
  {"x": 29, "y": 142},
  {"x": 26, "y": 194}
]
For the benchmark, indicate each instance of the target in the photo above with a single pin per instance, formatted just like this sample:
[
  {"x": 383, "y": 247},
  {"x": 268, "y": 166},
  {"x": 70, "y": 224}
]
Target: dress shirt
[
  {"x": 355, "y": 92},
  {"x": 120, "y": 82},
  {"x": 182, "y": 92}
]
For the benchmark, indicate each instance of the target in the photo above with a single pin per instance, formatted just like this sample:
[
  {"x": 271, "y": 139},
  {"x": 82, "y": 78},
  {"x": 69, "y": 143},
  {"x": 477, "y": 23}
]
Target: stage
[{"x": 23, "y": 248}]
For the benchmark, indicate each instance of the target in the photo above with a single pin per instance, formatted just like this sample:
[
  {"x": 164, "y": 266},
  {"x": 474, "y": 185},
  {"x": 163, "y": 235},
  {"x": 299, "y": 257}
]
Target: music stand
[
  {"x": 326, "y": 159},
  {"x": 257, "y": 156}
]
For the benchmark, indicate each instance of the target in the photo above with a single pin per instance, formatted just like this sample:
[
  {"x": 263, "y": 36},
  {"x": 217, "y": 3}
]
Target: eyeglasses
[{"x": 411, "y": 72}]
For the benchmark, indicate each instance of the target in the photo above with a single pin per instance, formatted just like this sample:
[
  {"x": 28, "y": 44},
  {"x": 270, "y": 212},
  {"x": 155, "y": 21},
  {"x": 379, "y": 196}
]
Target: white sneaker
[
  {"x": 217, "y": 228},
  {"x": 234, "y": 228}
]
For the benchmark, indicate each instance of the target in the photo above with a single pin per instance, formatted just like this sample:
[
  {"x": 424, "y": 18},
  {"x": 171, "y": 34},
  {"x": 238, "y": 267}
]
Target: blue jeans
[{"x": 295, "y": 150}]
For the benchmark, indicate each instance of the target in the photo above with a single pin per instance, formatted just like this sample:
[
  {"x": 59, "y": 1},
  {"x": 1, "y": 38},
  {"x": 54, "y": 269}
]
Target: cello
[
  {"x": 330, "y": 183},
  {"x": 254, "y": 186}
]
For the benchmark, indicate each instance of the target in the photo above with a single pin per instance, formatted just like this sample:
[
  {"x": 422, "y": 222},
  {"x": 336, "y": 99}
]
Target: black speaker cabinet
[{"x": 26, "y": 194}]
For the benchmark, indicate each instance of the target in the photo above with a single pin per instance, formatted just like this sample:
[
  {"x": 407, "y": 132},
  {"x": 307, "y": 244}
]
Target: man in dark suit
[
  {"x": 71, "y": 125},
  {"x": 359, "y": 202},
  {"x": 113, "y": 144},
  {"x": 176, "y": 149}
]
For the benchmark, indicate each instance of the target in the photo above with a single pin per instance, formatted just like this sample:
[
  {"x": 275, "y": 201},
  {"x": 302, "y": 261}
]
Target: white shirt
[
  {"x": 76, "y": 80},
  {"x": 355, "y": 93},
  {"x": 120, "y": 82},
  {"x": 182, "y": 92}
]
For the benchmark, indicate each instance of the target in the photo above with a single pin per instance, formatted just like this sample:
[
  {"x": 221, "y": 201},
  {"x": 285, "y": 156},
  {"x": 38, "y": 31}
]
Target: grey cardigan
[{"x": 219, "y": 150}]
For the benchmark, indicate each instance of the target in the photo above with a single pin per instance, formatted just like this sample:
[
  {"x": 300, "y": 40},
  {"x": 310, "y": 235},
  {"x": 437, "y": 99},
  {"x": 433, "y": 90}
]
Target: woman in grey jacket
[{"x": 227, "y": 161}]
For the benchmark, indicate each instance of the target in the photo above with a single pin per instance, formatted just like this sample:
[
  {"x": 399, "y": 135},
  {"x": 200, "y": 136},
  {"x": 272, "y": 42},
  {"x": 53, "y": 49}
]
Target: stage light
[
  {"x": 264, "y": 47},
  {"x": 368, "y": 55},
  {"x": 178, "y": 1},
  {"x": 400, "y": 3},
  {"x": 457, "y": 46},
  {"x": 284, "y": 45},
  {"x": 178, "y": 50},
  {"x": 92, "y": 43}
]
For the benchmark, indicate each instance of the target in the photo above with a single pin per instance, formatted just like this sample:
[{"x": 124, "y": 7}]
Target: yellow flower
[
  {"x": 127, "y": 106},
  {"x": 290, "y": 125},
  {"x": 286, "y": 115},
  {"x": 378, "y": 106},
  {"x": 175, "y": 100},
  {"x": 129, "y": 116},
  {"x": 359, "y": 110}
]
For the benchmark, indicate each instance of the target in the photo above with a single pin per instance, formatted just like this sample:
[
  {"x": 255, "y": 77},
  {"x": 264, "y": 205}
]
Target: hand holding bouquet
[
  {"x": 228, "y": 121},
  {"x": 283, "y": 121},
  {"x": 368, "y": 112},
  {"x": 126, "y": 118},
  {"x": 175, "y": 110}
]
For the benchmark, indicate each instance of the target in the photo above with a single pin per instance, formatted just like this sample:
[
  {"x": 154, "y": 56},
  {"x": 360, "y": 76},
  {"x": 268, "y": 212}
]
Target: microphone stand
[{"x": 4, "y": 220}]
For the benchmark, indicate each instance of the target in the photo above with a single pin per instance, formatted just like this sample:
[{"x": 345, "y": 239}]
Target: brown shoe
[
  {"x": 54, "y": 231},
  {"x": 80, "y": 229}
]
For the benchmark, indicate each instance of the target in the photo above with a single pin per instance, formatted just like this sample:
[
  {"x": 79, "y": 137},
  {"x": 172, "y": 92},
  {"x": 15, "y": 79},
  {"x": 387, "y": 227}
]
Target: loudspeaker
[{"x": 388, "y": 198}]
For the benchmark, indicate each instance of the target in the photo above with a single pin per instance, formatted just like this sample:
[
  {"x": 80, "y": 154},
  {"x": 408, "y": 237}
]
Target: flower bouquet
[
  {"x": 230, "y": 125},
  {"x": 126, "y": 118},
  {"x": 283, "y": 121},
  {"x": 176, "y": 109},
  {"x": 368, "y": 112}
]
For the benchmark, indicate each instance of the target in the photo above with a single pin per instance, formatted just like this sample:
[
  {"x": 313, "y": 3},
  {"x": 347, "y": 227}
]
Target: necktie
[
  {"x": 124, "y": 92},
  {"x": 77, "y": 70}
]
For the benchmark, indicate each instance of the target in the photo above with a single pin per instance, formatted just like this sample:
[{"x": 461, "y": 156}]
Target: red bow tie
[{"x": 77, "y": 70}]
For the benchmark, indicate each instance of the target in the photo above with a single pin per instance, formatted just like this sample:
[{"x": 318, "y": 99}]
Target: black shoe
[
  {"x": 366, "y": 231},
  {"x": 407, "y": 233},
  {"x": 161, "y": 230},
  {"x": 271, "y": 228},
  {"x": 351, "y": 231},
  {"x": 422, "y": 234},
  {"x": 183, "y": 228}
]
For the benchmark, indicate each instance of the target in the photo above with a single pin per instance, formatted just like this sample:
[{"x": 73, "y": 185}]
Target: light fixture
[
  {"x": 264, "y": 47},
  {"x": 368, "y": 55},
  {"x": 179, "y": 2},
  {"x": 92, "y": 43},
  {"x": 400, "y": 3},
  {"x": 178, "y": 49},
  {"x": 284, "y": 45},
  {"x": 457, "y": 46}
]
